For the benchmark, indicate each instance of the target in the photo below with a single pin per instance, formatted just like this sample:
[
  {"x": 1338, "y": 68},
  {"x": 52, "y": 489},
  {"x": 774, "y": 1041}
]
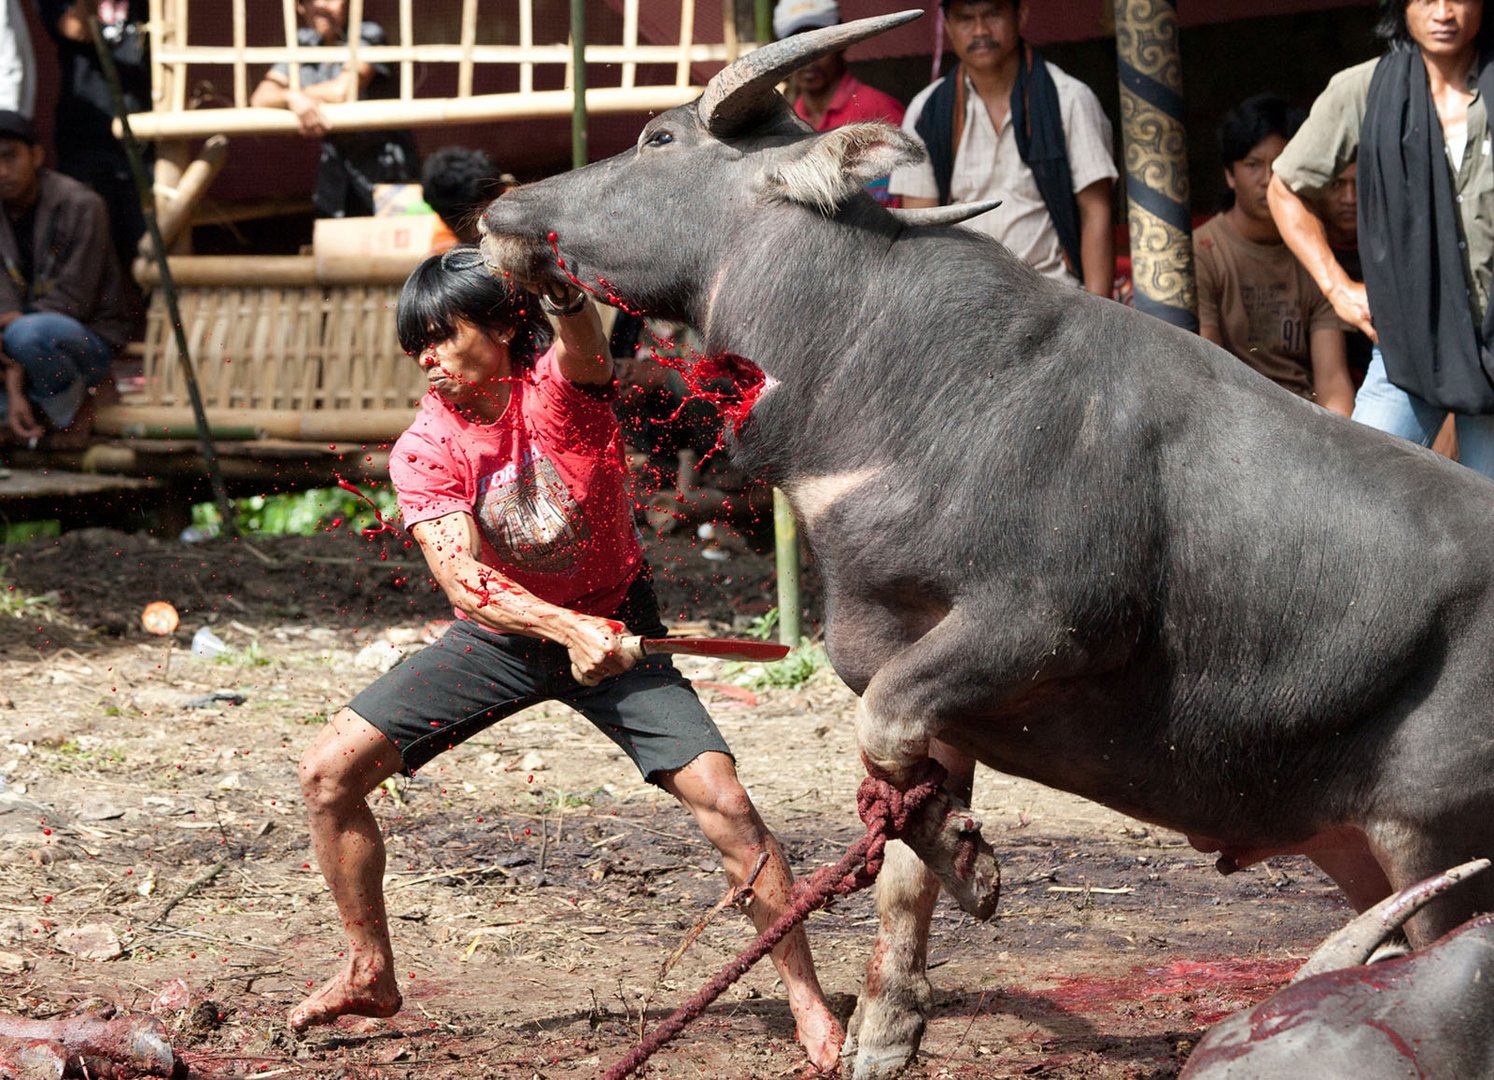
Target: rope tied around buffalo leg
[{"x": 885, "y": 810}]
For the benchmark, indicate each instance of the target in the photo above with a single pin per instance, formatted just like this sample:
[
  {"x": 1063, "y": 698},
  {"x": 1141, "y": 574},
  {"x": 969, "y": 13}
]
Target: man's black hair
[
  {"x": 1255, "y": 119},
  {"x": 458, "y": 183},
  {"x": 457, "y": 287},
  {"x": 944, "y": 4},
  {"x": 1393, "y": 30}
]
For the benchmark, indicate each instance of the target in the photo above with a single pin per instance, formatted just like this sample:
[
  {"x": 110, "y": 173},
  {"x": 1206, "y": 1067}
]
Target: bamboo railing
[{"x": 177, "y": 62}]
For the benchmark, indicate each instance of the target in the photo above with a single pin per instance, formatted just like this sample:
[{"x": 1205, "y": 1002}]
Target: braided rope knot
[{"x": 886, "y": 810}]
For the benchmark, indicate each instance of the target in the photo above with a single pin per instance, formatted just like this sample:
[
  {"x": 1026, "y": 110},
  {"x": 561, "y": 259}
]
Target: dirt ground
[{"x": 150, "y": 834}]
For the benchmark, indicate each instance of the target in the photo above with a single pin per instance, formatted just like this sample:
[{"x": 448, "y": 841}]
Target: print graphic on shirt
[
  {"x": 1275, "y": 318},
  {"x": 530, "y": 519}
]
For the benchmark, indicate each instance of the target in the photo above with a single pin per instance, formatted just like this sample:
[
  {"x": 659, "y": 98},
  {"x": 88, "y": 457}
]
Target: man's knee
[
  {"x": 43, "y": 335},
  {"x": 709, "y": 787},
  {"x": 343, "y": 765}
]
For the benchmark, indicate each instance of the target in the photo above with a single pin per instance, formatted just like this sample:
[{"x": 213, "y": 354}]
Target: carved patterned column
[{"x": 1156, "y": 150}]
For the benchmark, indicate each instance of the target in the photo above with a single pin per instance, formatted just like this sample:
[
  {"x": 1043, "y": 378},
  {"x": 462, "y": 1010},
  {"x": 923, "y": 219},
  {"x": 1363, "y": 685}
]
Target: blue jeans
[
  {"x": 61, "y": 358},
  {"x": 1384, "y": 406}
]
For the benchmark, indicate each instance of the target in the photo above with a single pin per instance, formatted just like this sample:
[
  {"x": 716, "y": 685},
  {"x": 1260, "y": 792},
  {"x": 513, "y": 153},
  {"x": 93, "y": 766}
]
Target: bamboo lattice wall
[{"x": 524, "y": 42}]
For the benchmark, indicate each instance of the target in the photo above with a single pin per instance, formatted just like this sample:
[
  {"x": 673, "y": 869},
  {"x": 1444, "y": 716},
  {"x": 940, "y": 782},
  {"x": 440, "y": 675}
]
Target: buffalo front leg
[
  {"x": 887, "y": 1026},
  {"x": 943, "y": 833},
  {"x": 893, "y": 1009}
]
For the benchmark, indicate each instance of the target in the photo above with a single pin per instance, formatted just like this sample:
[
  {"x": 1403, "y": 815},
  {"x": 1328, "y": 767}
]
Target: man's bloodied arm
[{"x": 506, "y": 607}]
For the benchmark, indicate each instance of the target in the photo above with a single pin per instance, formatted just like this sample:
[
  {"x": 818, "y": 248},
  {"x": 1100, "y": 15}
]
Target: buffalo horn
[
  {"x": 945, "y": 215},
  {"x": 745, "y": 88},
  {"x": 1356, "y": 942}
]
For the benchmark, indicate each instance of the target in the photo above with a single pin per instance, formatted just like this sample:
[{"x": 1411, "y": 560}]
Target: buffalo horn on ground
[
  {"x": 1356, "y": 942},
  {"x": 945, "y": 215},
  {"x": 743, "y": 90}
]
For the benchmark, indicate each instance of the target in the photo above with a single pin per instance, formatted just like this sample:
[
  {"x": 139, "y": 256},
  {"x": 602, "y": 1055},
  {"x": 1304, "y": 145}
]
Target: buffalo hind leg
[{"x": 887, "y": 1027}]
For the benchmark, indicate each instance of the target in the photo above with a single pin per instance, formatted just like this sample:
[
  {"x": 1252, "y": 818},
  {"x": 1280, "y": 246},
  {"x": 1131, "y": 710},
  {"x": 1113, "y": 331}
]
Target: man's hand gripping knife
[{"x": 502, "y": 605}]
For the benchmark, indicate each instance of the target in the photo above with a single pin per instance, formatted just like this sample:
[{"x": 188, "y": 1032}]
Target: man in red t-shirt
[
  {"x": 824, "y": 93},
  {"x": 512, "y": 481}
]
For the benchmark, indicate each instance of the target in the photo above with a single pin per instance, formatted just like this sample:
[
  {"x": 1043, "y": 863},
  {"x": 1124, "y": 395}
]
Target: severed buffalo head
[{"x": 649, "y": 228}]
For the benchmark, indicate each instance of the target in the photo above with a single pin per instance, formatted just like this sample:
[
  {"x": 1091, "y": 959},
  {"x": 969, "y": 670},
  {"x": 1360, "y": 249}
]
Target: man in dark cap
[{"x": 61, "y": 312}]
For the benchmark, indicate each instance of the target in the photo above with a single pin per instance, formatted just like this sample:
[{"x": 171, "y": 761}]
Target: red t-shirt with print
[{"x": 546, "y": 483}]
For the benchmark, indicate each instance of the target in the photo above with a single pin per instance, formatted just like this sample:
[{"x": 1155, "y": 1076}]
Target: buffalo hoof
[
  {"x": 947, "y": 838},
  {"x": 885, "y": 1031}
]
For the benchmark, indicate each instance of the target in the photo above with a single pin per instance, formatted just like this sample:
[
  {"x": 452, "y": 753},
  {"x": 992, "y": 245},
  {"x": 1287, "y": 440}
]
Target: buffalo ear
[{"x": 825, "y": 172}]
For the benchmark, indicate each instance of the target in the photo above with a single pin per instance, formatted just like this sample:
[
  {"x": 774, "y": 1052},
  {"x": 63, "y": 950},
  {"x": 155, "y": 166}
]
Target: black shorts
[{"x": 473, "y": 677}]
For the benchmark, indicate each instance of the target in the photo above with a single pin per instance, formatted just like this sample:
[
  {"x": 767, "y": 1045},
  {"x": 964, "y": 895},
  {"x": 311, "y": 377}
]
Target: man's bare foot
[
  {"x": 820, "y": 1035},
  {"x": 347, "y": 994}
]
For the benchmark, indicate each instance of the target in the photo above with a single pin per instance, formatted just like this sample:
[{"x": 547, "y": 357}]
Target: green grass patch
[
  {"x": 303, "y": 513},
  {"x": 18, "y": 532},
  {"x": 18, "y": 604}
]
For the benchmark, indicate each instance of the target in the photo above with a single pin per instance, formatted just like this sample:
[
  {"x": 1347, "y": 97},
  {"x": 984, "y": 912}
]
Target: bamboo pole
[
  {"x": 469, "y": 40},
  {"x": 1156, "y": 152},
  {"x": 450, "y": 53},
  {"x": 422, "y": 112},
  {"x": 292, "y": 43},
  {"x": 174, "y": 213},
  {"x": 407, "y": 39},
  {"x": 763, "y": 21},
  {"x": 578, "y": 83},
  {"x": 148, "y": 209},
  {"x": 355, "y": 41},
  {"x": 240, "y": 68},
  {"x": 526, "y": 46},
  {"x": 179, "y": 81},
  {"x": 160, "y": 77},
  {"x": 319, "y": 425},
  {"x": 687, "y": 38},
  {"x": 173, "y": 157},
  {"x": 277, "y": 271},
  {"x": 729, "y": 30},
  {"x": 786, "y": 552},
  {"x": 630, "y": 41}
]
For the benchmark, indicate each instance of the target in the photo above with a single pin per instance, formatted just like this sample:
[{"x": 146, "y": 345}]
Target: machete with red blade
[
  {"x": 745, "y": 649},
  {"x": 748, "y": 649}
]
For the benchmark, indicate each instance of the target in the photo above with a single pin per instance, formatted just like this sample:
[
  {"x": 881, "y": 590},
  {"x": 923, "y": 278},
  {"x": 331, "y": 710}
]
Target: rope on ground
[{"x": 886, "y": 811}]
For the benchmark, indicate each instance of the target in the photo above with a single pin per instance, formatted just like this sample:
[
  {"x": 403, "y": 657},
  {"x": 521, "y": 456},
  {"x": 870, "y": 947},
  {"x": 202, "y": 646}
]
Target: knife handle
[{"x": 631, "y": 647}]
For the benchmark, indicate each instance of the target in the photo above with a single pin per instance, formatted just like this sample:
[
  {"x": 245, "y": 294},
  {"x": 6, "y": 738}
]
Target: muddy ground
[{"x": 535, "y": 884}]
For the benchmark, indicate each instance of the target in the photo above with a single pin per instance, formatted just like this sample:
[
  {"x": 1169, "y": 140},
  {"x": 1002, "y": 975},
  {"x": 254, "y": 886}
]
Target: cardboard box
[
  {"x": 398, "y": 200},
  {"x": 391, "y": 243}
]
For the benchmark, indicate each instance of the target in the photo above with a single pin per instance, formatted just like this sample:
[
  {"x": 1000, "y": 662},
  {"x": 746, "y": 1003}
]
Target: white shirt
[
  {"x": 17, "y": 61},
  {"x": 988, "y": 166}
]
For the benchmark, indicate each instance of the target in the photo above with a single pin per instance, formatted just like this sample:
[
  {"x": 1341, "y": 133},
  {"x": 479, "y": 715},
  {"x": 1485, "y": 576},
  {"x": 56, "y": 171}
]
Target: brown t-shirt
[{"x": 1265, "y": 305}]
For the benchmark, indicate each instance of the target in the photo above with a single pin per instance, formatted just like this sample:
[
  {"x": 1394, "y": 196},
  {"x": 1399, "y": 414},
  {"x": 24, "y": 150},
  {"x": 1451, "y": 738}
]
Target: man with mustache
[{"x": 1005, "y": 124}]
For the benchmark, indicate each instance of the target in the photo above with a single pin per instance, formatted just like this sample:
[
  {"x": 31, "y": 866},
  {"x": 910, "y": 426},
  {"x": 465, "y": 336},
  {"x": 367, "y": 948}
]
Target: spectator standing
[
  {"x": 824, "y": 93},
  {"x": 17, "y": 61},
  {"x": 1416, "y": 122},
  {"x": 457, "y": 183},
  {"x": 1254, "y": 298},
  {"x": 352, "y": 162},
  {"x": 1006, "y": 124},
  {"x": 511, "y": 481},
  {"x": 1339, "y": 209},
  {"x": 83, "y": 130},
  {"x": 62, "y": 314}
]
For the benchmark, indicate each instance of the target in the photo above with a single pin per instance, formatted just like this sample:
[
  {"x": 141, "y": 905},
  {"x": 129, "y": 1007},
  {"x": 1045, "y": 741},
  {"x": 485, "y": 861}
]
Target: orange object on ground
[{"x": 159, "y": 617}]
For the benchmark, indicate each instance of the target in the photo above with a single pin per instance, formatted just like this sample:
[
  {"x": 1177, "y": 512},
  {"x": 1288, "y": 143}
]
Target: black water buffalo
[
  {"x": 1056, "y": 536},
  {"x": 1422, "y": 1015}
]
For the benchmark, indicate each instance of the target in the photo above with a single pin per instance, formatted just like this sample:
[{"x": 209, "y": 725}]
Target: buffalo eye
[{"x": 661, "y": 137}]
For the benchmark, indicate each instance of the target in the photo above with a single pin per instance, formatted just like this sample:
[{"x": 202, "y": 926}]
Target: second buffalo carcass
[
  {"x": 1420, "y": 1015},
  {"x": 1056, "y": 535}
]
